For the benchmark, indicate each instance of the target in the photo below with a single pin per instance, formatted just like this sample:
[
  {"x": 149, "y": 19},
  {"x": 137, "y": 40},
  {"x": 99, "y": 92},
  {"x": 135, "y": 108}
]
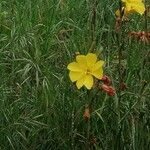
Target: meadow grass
[{"x": 40, "y": 108}]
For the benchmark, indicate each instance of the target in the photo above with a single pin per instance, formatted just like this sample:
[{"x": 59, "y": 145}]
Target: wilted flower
[
  {"x": 141, "y": 35},
  {"x": 108, "y": 89},
  {"x": 83, "y": 70}
]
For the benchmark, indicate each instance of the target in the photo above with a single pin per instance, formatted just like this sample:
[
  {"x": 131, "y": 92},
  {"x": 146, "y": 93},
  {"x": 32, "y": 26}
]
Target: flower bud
[
  {"x": 106, "y": 80},
  {"x": 108, "y": 89},
  {"x": 86, "y": 114}
]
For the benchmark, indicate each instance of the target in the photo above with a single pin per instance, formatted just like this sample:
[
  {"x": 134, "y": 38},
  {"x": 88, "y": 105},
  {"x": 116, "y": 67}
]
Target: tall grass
[{"x": 39, "y": 107}]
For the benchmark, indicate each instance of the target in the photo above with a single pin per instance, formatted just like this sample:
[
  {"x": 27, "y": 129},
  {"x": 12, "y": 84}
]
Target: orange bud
[
  {"x": 86, "y": 114},
  {"x": 109, "y": 90}
]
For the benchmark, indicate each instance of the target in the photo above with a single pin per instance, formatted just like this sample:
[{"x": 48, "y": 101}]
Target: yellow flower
[
  {"x": 83, "y": 70},
  {"x": 134, "y": 6}
]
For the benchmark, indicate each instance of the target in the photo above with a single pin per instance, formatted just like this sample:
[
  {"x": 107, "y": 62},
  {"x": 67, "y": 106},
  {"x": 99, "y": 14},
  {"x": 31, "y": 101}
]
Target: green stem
[
  {"x": 117, "y": 104},
  {"x": 93, "y": 25},
  {"x": 146, "y": 21},
  {"x": 72, "y": 128},
  {"x": 93, "y": 3},
  {"x": 120, "y": 55},
  {"x": 88, "y": 134},
  {"x": 90, "y": 98},
  {"x": 89, "y": 105}
]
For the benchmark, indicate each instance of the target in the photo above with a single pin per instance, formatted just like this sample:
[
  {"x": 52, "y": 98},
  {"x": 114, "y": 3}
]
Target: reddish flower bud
[
  {"x": 108, "y": 89},
  {"x": 123, "y": 86},
  {"x": 86, "y": 114},
  {"x": 106, "y": 80}
]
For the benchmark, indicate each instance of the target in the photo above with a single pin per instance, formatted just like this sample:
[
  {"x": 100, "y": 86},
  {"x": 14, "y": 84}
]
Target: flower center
[{"x": 88, "y": 71}]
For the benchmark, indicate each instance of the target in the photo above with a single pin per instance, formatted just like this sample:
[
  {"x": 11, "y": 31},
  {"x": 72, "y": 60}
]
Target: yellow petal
[
  {"x": 133, "y": 1},
  {"x": 98, "y": 73},
  {"x": 91, "y": 59},
  {"x": 140, "y": 8},
  {"x": 81, "y": 60},
  {"x": 74, "y": 67},
  {"x": 128, "y": 7},
  {"x": 74, "y": 76},
  {"x": 135, "y": 6},
  {"x": 98, "y": 65},
  {"x": 88, "y": 82},
  {"x": 80, "y": 82}
]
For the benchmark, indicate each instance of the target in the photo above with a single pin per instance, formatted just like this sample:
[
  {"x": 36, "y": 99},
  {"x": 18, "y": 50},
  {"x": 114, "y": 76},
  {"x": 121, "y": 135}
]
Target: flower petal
[
  {"x": 81, "y": 60},
  {"x": 140, "y": 8},
  {"x": 91, "y": 59},
  {"x": 135, "y": 6},
  {"x": 74, "y": 76},
  {"x": 98, "y": 73},
  {"x": 133, "y": 1},
  {"x": 74, "y": 67},
  {"x": 80, "y": 82},
  {"x": 88, "y": 82},
  {"x": 98, "y": 65}
]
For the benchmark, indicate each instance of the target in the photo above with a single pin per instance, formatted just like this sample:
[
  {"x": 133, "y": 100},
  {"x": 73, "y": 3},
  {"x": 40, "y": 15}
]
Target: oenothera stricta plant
[{"x": 84, "y": 70}]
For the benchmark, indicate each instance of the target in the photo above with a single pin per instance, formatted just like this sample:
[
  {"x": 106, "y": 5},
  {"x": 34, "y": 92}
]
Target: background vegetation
[{"x": 40, "y": 109}]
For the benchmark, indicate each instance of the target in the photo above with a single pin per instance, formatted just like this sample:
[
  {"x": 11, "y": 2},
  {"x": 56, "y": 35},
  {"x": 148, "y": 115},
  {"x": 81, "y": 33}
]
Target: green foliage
[{"x": 39, "y": 107}]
